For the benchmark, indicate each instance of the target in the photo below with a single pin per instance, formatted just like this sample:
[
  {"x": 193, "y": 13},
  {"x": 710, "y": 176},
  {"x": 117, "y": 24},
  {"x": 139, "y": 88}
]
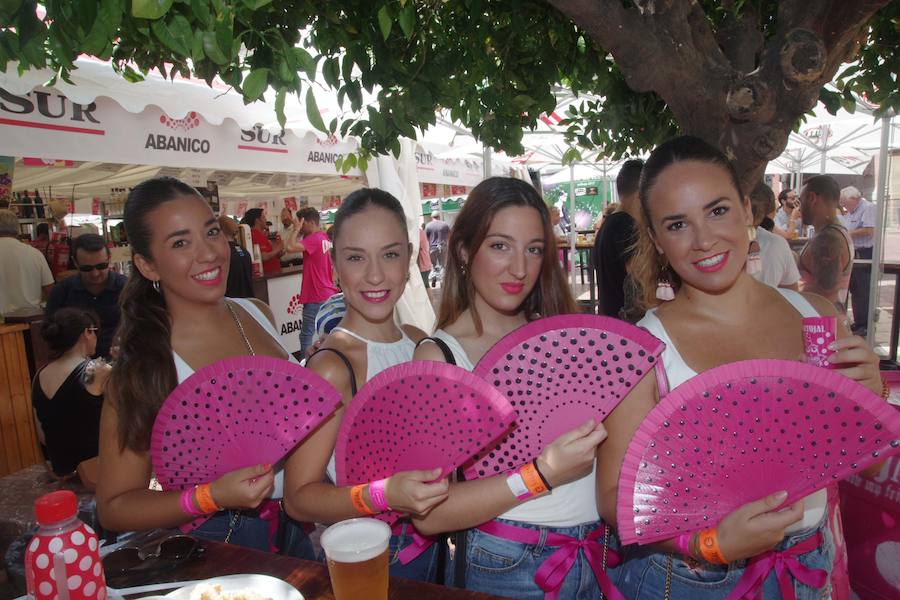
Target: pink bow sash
[
  {"x": 419, "y": 545},
  {"x": 269, "y": 511},
  {"x": 553, "y": 571},
  {"x": 783, "y": 562}
]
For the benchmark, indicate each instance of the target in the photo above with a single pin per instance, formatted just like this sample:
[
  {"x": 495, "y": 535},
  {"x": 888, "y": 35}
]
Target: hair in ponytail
[
  {"x": 143, "y": 374},
  {"x": 64, "y": 328}
]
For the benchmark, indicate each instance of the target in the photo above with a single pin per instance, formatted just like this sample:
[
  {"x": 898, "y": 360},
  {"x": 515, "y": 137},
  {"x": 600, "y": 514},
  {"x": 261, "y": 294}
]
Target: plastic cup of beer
[{"x": 357, "y": 554}]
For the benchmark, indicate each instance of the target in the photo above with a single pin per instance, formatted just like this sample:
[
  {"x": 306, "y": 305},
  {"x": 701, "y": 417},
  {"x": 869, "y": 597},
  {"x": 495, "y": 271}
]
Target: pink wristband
[
  {"x": 683, "y": 544},
  {"x": 187, "y": 503},
  {"x": 379, "y": 499}
]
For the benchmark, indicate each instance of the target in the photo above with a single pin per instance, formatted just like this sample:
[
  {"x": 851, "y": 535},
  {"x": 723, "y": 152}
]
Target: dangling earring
[
  {"x": 754, "y": 259},
  {"x": 464, "y": 270},
  {"x": 664, "y": 290},
  {"x": 156, "y": 286}
]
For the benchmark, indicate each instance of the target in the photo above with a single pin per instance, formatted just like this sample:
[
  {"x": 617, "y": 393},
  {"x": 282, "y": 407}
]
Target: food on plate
[{"x": 206, "y": 591}]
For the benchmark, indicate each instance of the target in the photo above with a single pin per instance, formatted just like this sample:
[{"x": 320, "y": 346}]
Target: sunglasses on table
[
  {"x": 97, "y": 267},
  {"x": 172, "y": 550}
]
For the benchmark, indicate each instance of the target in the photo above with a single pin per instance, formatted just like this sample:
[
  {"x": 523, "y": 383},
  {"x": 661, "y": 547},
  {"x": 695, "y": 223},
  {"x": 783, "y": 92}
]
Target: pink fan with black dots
[
  {"x": 236, "y": 413},
  {"x": 418, "y": 415},
  {"x": 557, "y": 373},
  {"x": 740, "y": 432}
]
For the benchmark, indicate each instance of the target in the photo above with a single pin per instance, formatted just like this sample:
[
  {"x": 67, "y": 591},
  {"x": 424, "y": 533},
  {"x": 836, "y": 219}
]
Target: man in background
[
  {"x": 860, "y": 222},
  {"x": 787, "y": 217},
  {"x": 95, "y": 288},
  {"x": 317, "y": 283},
  {"x": 779, "y": 268},
  {"x": 270, "y": 253},
  {"x": 25, "y": 277},
  {"x": 613, "y": 245},
  {"x": 240, "y": 268},
  {"x": 437, "y": 232}
]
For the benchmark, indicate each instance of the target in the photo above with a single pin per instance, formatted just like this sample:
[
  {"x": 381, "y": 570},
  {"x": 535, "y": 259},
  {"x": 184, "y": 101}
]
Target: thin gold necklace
[{"x": 240, "y": 327}]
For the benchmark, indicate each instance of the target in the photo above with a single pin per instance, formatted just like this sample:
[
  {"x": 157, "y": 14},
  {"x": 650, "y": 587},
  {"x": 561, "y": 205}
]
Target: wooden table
[
  {"x": 18, "y": 438},
  {"x": 311, "y": 578},
  {"x": 584, "y": 250}
]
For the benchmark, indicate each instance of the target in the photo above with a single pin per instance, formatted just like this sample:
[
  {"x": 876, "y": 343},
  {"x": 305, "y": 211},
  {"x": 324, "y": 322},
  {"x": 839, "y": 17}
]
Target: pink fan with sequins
[
  {"x": 418, "y": 415},
  {"x": 742, "y": 431},
  {"x": 236, "y": 413},
  {"x": 557, "y": 373}
]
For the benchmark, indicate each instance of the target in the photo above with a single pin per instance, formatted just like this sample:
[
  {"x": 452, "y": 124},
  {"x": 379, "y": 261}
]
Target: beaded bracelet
[
  {"x": 885, "y": 389},
  {"x": 709, "y": 547},
  {"x": 356, "y": 496}
]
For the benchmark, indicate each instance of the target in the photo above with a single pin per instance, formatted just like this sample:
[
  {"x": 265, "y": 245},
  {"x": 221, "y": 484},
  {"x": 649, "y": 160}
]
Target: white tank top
[
  {"x": 184, "y": 370},
  {"x": 379, "y": 356},
  {"x": 567, "y": 505},
  {"x": 677, "y": 372}
]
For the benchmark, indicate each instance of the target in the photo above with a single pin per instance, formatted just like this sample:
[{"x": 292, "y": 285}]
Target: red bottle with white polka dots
[{"x": 62, "y": 561}]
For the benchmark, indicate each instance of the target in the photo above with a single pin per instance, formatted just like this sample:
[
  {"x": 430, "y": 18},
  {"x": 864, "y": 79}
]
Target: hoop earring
[
  {"x": 156, "y": 287},
  {"x": 664, "y": 289},
  {"x": 754, "y": 258}
]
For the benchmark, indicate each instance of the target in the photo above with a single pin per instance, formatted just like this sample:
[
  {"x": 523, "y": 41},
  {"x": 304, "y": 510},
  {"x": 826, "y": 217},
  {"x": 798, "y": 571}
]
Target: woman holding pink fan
[
  {"x": 371, "y": 256},
  {"x": 502, "y": 273},
  {"x": 176, "y": 319},
  {"x": 709, "y": 311}
]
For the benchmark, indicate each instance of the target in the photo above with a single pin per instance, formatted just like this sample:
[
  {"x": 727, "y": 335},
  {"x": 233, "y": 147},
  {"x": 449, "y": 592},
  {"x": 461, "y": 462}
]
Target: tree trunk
[{"x": 726, "y": 87}]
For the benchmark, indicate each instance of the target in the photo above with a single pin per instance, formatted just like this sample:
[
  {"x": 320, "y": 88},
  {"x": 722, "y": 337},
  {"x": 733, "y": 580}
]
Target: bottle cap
[{"x": 55, "y": 507}]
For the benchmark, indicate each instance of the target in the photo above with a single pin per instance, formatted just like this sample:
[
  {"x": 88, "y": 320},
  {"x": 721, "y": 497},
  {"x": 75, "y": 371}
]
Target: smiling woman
[{"x": 175, "y": 319}]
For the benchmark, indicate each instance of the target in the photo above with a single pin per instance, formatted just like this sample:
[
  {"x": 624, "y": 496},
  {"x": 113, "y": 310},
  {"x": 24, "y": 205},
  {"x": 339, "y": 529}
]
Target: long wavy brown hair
[
  {"x": 551, "y": 294},
  {"x": 144, "y": 371},
  {"x": 648, "y": 266}
]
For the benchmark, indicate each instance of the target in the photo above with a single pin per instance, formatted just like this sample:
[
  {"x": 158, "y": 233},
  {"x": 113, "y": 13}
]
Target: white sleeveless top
[
  {"x": 379, "y": 356},
  {"x": 567, "y": 505},
  {"x": 184, "y": 370},
  {"x": 677, "y": 372}
]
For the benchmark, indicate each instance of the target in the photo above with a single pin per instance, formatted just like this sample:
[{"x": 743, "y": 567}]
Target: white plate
[{"x": 264, "y": 585}]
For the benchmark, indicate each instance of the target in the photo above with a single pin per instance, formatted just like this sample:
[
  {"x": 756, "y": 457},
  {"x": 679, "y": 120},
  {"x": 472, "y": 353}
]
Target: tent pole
[
  {"x": 486, "y": 157},
  {"x": 881, "y": 198},
  {"x": 825, "y": 130},
  {"x": 572, "y": 233}
]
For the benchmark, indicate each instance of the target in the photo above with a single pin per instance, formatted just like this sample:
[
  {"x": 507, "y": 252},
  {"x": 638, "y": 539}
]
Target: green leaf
[
  {"x": 332, "y": 127},
  {"x": 339, "y": 164},
  {"x": 279, "y": 107},
  {"x": 349, "y": 163},
  {"x": 407, "y": 20},
  {"x": 164, "y": 34},
  {"x": 200, "y": 8},
  {"x": 8, "y": 8},
  {"x": 312, "y": 111},
  {"x": 255, "y": 84},
  {"x": 150, "y": 9},
  {"x": 385, "y": 22},
  {"x": 306, "y": 62},
  {"x": 256, "y": 4},
  {"x": 197, "y": 53},
  {"x": 331, "y": 72},
  {"x": 211, "y": 48},
  {"x": 109, "y": 18},
  {"x": 377, "y": 121}
]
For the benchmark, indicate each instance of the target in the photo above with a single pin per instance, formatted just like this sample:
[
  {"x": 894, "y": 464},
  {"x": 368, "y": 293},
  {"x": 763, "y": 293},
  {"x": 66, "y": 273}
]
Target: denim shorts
[
  {"x": 422, "y": 568},
  {"x": 495, "y": 565},
  {"x": 642, "y": 574}
]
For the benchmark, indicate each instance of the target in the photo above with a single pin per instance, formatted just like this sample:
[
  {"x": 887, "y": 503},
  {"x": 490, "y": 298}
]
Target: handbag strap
[
  {"x": 346, "y": 362},
  {"x": 445, "y": 349}
]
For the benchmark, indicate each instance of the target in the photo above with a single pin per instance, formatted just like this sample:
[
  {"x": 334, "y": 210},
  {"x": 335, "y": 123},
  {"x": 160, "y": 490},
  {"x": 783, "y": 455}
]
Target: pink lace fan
[
  {"x": 418, "y": 415},
  {"x": 741, "y": 431},
  {"x": 557, "y": 373},
  {"x": 236, "y": 413}
]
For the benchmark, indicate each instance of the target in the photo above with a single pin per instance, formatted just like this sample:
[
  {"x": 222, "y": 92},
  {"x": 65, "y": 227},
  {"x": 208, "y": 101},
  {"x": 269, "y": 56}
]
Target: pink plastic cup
[{"x": 818, "y": 332}]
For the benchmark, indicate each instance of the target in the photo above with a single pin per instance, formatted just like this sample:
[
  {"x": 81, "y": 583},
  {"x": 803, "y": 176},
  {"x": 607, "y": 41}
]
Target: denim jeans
[
  {"x": 422, "y": 568},
  {"x": 642, "y": 574},
  {"x": 250, "y": 531},
  {"x": 502, "y": 567},
  {"x": 308, "y": 325}
]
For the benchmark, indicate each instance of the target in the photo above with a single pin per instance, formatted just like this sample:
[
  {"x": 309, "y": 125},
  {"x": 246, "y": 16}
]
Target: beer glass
[{"x": 357, "y": 554}]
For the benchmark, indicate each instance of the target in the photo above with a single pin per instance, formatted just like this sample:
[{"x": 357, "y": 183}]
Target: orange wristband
[
  {"x": 709, "y": 547},
  {"x": 533, "y": 480},
  {"x": 204, "y": 499},
  {"x": 359, "y": 503}
]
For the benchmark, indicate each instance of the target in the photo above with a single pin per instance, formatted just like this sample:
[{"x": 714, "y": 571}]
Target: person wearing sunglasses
[
  {"x": 96, "y": 288},
  {"x": 67, "y": 393}
]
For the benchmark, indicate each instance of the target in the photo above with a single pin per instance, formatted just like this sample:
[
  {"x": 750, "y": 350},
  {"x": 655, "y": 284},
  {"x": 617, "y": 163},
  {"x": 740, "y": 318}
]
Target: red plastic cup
[{"x": 818, "y": 333}]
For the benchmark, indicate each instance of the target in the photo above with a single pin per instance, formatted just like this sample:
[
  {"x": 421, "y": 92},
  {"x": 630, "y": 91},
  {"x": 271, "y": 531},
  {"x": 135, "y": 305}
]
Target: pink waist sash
[
  {"x": 785, "y": 564},
  {"x": 552, "y": 572}
]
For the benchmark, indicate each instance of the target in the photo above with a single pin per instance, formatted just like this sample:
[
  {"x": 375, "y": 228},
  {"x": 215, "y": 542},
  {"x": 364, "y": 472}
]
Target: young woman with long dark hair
[
  {"x": 371, "y": 257},
  {"x": 503, "y": 272},
  {"x": 694, "y": 245},
  {"x": 176, "y": 319}
]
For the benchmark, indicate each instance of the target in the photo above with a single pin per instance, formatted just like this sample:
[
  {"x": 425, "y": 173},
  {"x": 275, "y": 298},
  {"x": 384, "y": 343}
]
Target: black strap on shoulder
[
  {"x": 460, "y": 543},
  {"x": 445, "y": 349},
  {"x": 346, "y": 361}
]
